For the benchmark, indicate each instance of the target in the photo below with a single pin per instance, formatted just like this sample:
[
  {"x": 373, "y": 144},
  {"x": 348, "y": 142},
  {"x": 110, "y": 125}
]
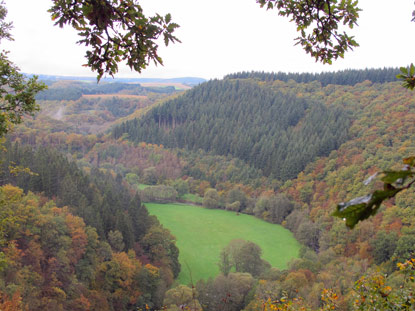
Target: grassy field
[
  {"x": 192, "y": 198},
  {"x": 142, "y": 186},
  {"x": 202, "y": 233}
]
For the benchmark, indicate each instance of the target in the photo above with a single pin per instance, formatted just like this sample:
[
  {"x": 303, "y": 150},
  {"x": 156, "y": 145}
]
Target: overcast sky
[{"x": 218, "y": 37}]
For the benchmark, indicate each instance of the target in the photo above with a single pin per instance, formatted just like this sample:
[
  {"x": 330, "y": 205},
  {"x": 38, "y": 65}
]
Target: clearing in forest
[{"x": 202, "y": 233}]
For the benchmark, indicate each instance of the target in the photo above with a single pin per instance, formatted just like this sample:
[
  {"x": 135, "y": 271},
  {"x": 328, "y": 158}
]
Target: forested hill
[
  {"x": 93, "y": 244},
  {"x": 274, "y": 128},
  {"x": 344, "y": 77},
  {"x": 73, "y": 90}
]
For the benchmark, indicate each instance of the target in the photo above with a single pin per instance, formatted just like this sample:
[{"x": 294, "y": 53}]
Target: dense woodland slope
[
  {"x": 52, "y": 260},
  {"x": 276, "y": 131},
  {"x": 383, "y": 133},
  {"x": 112, "y": 214},
  {"x": 315, "y": 142}
]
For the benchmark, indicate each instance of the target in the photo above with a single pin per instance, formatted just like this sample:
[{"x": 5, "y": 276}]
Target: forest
[
  {"x": 246, "y": 121},
  {"x": 343, "y": 77},
  {"x": 285, "y": 148}
]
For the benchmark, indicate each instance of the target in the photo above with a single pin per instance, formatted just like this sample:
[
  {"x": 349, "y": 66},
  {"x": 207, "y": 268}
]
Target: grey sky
[{"x": 218, "y": 37}]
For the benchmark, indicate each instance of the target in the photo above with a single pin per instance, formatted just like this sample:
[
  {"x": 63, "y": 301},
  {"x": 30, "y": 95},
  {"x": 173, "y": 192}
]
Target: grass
[
  {"x": 202, "y": 233},
  {"x": 192, "y": 198},
  {"x": 142, "y": 186}
]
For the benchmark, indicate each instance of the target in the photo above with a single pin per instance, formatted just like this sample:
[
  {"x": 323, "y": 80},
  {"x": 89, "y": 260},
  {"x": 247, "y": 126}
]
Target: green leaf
[
  {"x": 87, "y": 9},
  {"x": 354, "y": 210},
  {"x": 166, "y": 40},
  {"x": 361, "y": 208},
  {"x": 392, "y": 176},
  {"x": 381, "y": 195},
  {"x": 404, "y": 70}
]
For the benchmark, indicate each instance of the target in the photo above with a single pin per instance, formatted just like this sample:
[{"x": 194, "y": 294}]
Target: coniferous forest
[{"x": 275, "y": 131}]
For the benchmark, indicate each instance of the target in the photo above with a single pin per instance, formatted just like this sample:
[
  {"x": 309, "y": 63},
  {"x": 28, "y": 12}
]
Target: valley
[
  {"x": 266, "y": 157},
  {"x": 251, "y": 190}
]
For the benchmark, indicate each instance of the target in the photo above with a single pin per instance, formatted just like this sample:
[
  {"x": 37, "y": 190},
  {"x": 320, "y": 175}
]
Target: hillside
[
  {"x": 84, "y": 239},
  {"x": 316, "y": 143},
  {"x": 82, "y": 107},
  {"x": 381, "y": 133},
  {"x": 273, "y": 129}
]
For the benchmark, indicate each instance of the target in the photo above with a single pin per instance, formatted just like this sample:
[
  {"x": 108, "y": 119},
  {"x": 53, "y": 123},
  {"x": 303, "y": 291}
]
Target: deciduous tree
[
  {"x": 211, "y": 199},
  {"x": 17, "y": 94},
  {"x": 319, "y": 23},
  {"x": 115, "y": 31},
  {"x": 243, "y": 256}
]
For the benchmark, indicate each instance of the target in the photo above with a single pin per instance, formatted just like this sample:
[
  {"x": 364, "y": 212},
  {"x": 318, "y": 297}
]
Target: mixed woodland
[{"x": 286, "y": 148}]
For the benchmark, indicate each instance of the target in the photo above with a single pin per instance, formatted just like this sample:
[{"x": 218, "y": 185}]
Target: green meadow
[
  {"x": 192, "y": 198},
  {"x": 202, "y": 233},
  {"x": 142, "y": 186}
]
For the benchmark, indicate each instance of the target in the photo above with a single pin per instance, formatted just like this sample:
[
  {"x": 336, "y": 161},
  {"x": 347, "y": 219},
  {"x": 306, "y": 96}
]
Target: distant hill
[
  {"x": 183, "y": 80},
  {"x": 342, "y": 77},
  {"x": 85, "y": 107}
]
